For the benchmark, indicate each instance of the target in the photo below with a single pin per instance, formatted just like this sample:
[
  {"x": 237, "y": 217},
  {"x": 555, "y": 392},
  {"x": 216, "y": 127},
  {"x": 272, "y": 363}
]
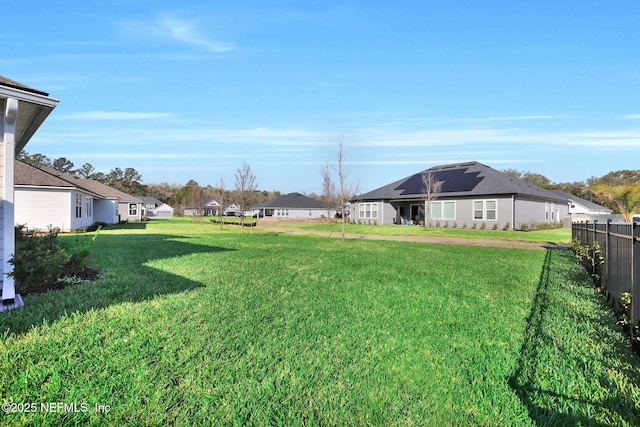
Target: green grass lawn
[
  {"x": 557, "y": 235},
  {"x": 193, "y": 325}
]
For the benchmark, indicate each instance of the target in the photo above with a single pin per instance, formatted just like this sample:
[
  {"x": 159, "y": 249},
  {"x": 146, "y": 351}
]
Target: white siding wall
[
  {"x": 105, "y": 211},
  {"x": 1, "y": 236},
  {"x": 84, "y": 220},
  {"x": 38, "y": 209},
  {"x": 288, "y": 213},
  {"x": 1, "y": 192}
]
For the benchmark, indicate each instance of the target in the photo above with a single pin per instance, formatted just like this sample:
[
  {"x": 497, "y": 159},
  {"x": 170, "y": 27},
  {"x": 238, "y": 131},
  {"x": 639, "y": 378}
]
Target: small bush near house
[{"x": 41, "y": 263}]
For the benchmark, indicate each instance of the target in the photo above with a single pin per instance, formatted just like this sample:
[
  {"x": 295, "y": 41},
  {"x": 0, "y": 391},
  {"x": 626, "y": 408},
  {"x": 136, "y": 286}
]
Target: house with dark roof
[
  {"x": 580, "y": 206},
  {"x": 211, "y": 207},
  {"x": 49, "y": 197},
  {"x": 23, "y": 109},
  {"x": 293, "y": 206},
  {"x": 154, "y": 208},
  {"x": 471, "y": 195}
]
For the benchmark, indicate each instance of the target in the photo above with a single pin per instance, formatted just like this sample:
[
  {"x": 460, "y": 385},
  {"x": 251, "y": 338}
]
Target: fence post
[
  {"x": 635, "y": 276},
  {"x": 607, "y": 260},
  {"x": 586, "y": 233}
]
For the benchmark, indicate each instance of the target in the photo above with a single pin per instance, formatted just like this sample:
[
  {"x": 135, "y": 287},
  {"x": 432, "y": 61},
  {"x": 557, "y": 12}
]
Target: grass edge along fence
[{"x": 612, "y": 252}]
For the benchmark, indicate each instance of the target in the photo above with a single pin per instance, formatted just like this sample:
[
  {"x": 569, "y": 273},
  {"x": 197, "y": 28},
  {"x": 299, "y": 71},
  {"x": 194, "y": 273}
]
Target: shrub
[
  {"x": 39, "y": 262},
  {"x": 590, "y": 257},
  {"x": 506, "y": 226},
  {"x": 495, "y": 226}
]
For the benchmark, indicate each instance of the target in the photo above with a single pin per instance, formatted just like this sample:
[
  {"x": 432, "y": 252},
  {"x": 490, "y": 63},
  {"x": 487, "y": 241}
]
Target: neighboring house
[
  {"x": 211, "y": 207},
  {"x": 472, "y": 195},
  {"x": 22, "y": 110},
  {"x": 154, "y": 208},
  {"x": 113, "y": 206},
  {"x": 581, "y": 206},
  {"x": 47, "y": 197},
  {"x": 43, "y": 200},
  {"x": 293, "y": 206}
]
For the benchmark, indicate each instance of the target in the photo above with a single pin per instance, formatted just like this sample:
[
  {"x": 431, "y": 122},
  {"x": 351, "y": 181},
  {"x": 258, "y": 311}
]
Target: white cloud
[
  {"x": 632, "y": 116},
  {"x": 490, "y": 137},
  {"x": 187, "y": 32},
  {"x": 116, "y": 115}
]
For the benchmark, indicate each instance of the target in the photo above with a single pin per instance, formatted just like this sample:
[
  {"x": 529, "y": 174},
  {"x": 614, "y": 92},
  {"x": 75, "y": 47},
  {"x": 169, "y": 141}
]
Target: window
[
  {"x": 133, "y": 209},
  {"x": 368, "y": 210},
  {"x": 550, "y": 211},
  {"x": 78, "y": 206},
  {"x": 89, "y": 206},
  {"x": 443, "y": 210},
  {"x": 485, "y": 209}
]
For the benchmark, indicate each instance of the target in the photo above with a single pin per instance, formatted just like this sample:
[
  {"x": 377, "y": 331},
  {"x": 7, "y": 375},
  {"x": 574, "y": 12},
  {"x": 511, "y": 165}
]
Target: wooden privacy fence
[{"x": 620, "y": 248}]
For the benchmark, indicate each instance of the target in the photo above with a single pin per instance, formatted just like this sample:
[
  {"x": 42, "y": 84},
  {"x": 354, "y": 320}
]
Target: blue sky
[{"x": 193, "y": 91}]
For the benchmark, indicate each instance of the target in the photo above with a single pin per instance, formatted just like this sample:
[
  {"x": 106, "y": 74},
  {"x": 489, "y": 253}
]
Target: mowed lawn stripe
[{"x": 260, "y": 329}]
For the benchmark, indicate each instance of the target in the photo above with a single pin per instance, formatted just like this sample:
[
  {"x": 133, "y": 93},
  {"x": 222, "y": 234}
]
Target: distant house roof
[
  {"x": 29, "y": 175},
  {"x": 291, "y": 201},
  {"x": 49, "y": 177},
  {"x": 583, "y": 202},
  {"x": 94, "y": 186},
  {"x": 458, "y": 180},
  {"x": 148, "y": 200}
]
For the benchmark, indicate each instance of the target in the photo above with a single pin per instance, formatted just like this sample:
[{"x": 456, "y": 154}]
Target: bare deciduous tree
[
  {"x": 346, "y": 190},
  {"x": 430, "y": 193},
  {"x": 328, "y": 190},
  {"x": 244, "y": 194}
]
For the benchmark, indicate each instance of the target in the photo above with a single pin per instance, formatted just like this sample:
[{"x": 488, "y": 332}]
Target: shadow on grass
[
  {"x": 124, "y": 277},
  {"x": 127, "y": 226},
  {"x": 536, "y": 378}
]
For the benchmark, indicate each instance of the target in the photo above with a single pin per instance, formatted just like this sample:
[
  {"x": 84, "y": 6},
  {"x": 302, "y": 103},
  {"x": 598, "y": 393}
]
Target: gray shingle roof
[
  {"x": 292, "y": 201},
  {"x": 587, "y": 204},
  {"x": 16, "y": 85},
  {"x": 459, "y": 180},
  {"x": 95, "y": 187},
  {"x": 148, "y": 200},
  {"x": 29, "y": 175}
]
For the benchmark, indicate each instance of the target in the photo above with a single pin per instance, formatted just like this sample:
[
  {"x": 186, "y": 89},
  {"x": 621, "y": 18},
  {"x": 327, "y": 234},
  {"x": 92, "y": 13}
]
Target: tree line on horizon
[
  {"x": 129, "y": 180},
  {"x": 618, "y": 190}
]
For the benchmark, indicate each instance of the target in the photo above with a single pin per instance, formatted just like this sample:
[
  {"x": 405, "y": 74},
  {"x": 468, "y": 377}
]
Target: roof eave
[{"x": 44, "y": 105}]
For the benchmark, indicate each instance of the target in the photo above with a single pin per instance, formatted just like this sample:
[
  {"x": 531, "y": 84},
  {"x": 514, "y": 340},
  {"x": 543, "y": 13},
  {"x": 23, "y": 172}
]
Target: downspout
[
  {"x": 8, "y": 180},
  {"x": 513, "y": 212}
]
